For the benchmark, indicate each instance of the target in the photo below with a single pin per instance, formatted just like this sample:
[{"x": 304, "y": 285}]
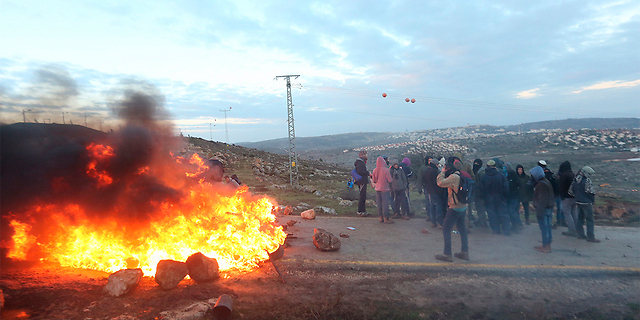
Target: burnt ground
[{"x": 380, "y": 272}]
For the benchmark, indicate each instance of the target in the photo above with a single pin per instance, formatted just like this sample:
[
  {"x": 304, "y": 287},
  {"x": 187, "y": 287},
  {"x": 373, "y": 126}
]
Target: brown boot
[{"x": 544, "y": 248}]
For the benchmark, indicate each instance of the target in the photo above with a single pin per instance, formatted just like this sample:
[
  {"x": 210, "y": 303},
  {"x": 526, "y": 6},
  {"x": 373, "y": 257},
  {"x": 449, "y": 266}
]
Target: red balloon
[
  {"x": 384, "y": 95},
  {"x": 413, "y": 100},
  {"x": 407, "y": 99}
]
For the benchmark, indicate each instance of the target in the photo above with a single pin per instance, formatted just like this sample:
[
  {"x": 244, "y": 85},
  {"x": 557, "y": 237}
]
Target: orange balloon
[
  {"x": 413, "y": 100},
  {"x": 407, "y": 99},
  {"x": 384, "y": 95}
]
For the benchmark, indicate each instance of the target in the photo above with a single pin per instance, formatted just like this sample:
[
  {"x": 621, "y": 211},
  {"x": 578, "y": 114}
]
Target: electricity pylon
[{"x": 293, "y": 158}]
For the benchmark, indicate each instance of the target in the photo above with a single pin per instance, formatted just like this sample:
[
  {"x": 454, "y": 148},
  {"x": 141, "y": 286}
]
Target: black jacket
[
  {"x": 361, "y": 169},
  {"x": 429, "y": 183},
  {"x": 494, "y": 183},
  {"x": 564, "y": 180}
]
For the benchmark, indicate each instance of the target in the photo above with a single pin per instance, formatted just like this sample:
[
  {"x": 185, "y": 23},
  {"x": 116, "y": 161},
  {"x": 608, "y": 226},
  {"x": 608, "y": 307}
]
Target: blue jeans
[
  {"x": 437, "y": 208},
  {"x": 382, "y": 200},
  {"x": 513, "y": 206},
  {"x": 499, "y": 219},
  {"x": 457, "y": 218},
  {"x": 427, "y": 204},
  {"x": 585, "y": 212},
  {"x": 570, "y": 210},
  {"x": 545, "y": 226}
]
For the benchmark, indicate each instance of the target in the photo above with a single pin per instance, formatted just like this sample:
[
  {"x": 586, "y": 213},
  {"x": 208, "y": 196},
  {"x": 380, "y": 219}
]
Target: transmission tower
[
  {"x": 293, "y": 158},
  {"x": 226, "y": 129}
]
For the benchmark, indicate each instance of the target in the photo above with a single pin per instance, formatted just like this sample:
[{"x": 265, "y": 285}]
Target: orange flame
[{"x": 234, "y": 227}]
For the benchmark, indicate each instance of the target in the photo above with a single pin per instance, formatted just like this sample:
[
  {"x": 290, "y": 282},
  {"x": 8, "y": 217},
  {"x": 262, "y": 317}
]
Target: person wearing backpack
[
  {"x": 450, "y": 178},
  {"x": 398, "y": 188},
  {"x": 543, "y": 201},
  {"x": 361, "y": 170}
]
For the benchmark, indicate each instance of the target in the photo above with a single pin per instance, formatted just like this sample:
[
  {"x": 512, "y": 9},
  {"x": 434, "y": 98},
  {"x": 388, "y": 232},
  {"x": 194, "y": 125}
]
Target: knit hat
[
  {"x": 406, "y": 161},
  {"x": 588, "y": 170},
  {"x": 491, "y": 163},
  {"x": 362, "y": 154}
]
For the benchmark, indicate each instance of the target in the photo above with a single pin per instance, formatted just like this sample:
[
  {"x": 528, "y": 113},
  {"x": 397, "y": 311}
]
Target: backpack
[
  {"x": 356, "y": 177},
  {"x": 465, "y": 193}
]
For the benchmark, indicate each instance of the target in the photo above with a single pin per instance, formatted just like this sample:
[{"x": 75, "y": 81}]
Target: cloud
[
  {"x": 528, "y": 94},
  {"x": 609, "y": 85}
]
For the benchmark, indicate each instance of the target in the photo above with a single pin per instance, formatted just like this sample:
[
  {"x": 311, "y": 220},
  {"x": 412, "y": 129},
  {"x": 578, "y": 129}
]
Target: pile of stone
[{"x": 168, "y": 274}]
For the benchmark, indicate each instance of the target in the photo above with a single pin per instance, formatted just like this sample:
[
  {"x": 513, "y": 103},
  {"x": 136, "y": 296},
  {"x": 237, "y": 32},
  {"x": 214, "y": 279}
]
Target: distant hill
[
  {"x": 588, "y": 123},
  {"x": 364, "y": 139}
]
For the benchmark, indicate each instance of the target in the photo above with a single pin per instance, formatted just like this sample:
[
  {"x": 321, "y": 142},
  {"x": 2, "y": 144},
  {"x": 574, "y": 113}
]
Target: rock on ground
[
  {"x": 308, "y": 214},
  {"x": 325, "y": 241},
  {"x": 170, "y": 272},
  {"x": 123, "y": 282},
  {"x": 202, "y": 268}
]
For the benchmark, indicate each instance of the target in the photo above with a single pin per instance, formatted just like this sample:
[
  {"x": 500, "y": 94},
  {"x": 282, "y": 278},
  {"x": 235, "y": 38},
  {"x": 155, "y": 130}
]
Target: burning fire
[{"x": 233, "y": 226}]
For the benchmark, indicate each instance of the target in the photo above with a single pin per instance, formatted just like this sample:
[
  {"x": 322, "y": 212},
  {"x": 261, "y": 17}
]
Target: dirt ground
[{"x": 380, "y": 272}]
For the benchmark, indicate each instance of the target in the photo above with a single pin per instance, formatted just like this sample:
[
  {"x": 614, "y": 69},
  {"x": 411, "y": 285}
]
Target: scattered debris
[
  {"x": 351, "y": 228},
  {"x": 575, "y": 252},
  {"x": 123, "y": 282},
  {"x": 222, "y": 308},
  {"x": 275, "y": 267},
  {"x": 198, "y": 310},
  {"x": 344, "y": 235},
  {"x": 291, "y": 222},
  {"x": 288, "y": 210},
  {"x": 325, "y": 241},
  {"x": 308, "y": 214},
  {"x": 424, "y": 230},
  {"x": 169, "y": 273}
]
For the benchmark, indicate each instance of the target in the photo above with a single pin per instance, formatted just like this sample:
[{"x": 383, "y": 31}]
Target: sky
[{"x": 213, "y": 64}]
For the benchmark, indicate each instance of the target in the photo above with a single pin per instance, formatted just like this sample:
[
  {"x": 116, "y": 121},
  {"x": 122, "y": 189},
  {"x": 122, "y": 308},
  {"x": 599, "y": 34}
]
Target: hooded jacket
[
  {"x": 542, "y": 191},
  {"x": 565, "y": 178},
  {"x": 429, "y": 176},
  {"x": 494, "y": 183},
  {"x": 526, "y": 190},
  {"x": 514, "y": 182},
  {"x": 381, "y": 176}
]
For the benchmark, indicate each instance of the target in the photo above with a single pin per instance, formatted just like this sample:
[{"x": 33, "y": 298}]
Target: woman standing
[{"x": 381, "y": 178}]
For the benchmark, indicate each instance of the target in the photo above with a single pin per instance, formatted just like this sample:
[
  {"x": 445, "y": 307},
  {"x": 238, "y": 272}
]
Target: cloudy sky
[{"x": 464, "y": 62}]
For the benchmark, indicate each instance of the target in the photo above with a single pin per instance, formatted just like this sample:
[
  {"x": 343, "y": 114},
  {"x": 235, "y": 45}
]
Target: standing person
[
  {"x": 361, "y": 169},
  {"x": 406, "y": 167},
  {"x": 569, "y": 207},
  {"x": 543, "y": 202},
  {"x": 398, "y": 187},
  {"x": 584, "y": 192},
  {"x": 495, "y": 187},
  {"x": 478, "y": 202},
  {"x": 513, "y": 205},
  {"x": 526, "y": 191},
  {"x": 421, "y": 185},
  {"x": 381, "y": 178},
  {"x": 553, "y": 179},
  {"x": 434, "y": 192},
  {"x": 450, "y": 178}
]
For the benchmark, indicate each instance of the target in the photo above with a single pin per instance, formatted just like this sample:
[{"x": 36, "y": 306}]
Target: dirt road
[{"x": 380, "y": 272}]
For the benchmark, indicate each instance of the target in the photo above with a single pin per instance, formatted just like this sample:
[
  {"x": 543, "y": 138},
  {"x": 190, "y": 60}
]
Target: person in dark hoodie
[
  {"x": 398, "y": 188},
  {"x": 513, "y": 205},
  {"x": 553, "y": 179},
  {"x": 437, "y": 195},
  {"x": 361, "y": 169},
  {"x": 569, "y": 207},
  {"x": 526, "y": 191},
  {"x": 543, "y": 201},
  {"x": 478, "y": 203},
  {"x": 584, "y": 192},
  {"x": 495, "y": 187},
  {"x": 421, "y": 174}
]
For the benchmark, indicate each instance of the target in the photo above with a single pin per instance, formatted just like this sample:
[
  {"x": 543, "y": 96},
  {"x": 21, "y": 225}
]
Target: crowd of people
[{"x": 498, "y": 193}]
